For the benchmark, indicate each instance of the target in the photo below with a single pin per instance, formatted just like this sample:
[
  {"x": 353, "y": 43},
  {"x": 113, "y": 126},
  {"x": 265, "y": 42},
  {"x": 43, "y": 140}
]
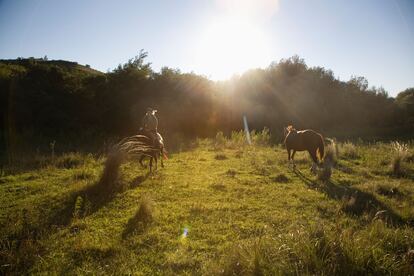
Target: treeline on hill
[{"x": 44, "y": 101}]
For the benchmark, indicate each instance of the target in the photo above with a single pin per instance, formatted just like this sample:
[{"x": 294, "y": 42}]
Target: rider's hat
[{"x": 151, "y": 110}]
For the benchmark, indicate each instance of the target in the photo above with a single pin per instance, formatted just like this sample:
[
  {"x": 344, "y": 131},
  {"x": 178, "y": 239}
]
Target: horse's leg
[
  {"x": 293, "y": 161},
  {"x": 312, "y": 153},
  {"x": 313, "y": 168},
  {"x": 288, "y": 152},
  {"x": 150, "y": 164},
  {"x": 314, "y": 157},
  {"x": 156, "y": 161},
  {"x": 162, "y": 158},
  {"x": 142, "y": 159}
]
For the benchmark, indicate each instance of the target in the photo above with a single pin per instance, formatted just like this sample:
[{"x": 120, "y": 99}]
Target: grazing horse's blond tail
[{"x": 321, "y": 149}]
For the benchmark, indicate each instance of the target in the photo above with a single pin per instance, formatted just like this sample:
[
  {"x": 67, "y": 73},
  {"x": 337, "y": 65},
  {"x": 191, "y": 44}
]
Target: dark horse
[
  {"x": 143, "y": 146},
  {"x": 304, "y": 140},
  {"x": 158, "y": 151}
]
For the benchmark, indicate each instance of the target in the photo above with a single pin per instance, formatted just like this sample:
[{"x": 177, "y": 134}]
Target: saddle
[{"x": 155, "y": 137}]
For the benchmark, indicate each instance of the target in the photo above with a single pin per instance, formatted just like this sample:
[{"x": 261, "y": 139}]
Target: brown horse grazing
[{"x": 304, "y": 140}]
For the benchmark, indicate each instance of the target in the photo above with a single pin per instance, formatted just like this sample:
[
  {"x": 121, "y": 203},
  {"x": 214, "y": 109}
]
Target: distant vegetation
[{"x": 42, "y": 101}]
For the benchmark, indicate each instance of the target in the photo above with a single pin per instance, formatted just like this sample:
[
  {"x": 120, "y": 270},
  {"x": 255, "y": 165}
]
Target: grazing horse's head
[{"x": 288, "y": 130}]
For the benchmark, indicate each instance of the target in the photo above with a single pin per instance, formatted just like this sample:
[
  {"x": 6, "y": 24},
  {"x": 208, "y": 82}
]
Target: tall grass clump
[
  {"x": 145, "y": 211},
  {"x": 261, "y": 138},
  {"x": 142, "y": 218},
  {"x": 20, "y": 243},
  {"x": 94, "y": 196},
  {"x": 400, "y": 152},
  {"x": 69, "y": 160},
  {"x": 379, "y": 250},
  {"x": 349, "y": 151},
  {"x": 242, "y": 260},
  {"x": 317, "y": 252},
  {"x": 329, "y": 162},
  {"x": 220, "y": 140},
  {"x": 309, "y": 250},
  {"x": 238, "y": 138},
  {"x": 109, "y": 180}
]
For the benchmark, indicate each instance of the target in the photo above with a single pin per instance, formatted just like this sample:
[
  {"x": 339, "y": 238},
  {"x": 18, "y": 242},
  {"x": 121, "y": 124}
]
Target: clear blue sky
[{"x": 370, "y": 38}]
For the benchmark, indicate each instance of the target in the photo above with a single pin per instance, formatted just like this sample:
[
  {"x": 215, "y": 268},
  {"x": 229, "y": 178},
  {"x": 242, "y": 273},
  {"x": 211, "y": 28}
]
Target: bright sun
[{"x": 230, "y": 46}]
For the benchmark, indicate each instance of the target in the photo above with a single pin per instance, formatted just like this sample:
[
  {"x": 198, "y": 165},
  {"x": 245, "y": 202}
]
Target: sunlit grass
[{"x": 247, "y": 213}]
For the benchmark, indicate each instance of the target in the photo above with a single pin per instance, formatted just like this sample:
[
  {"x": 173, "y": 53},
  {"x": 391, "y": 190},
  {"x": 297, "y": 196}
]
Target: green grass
[{"x": 245, "y": 212}]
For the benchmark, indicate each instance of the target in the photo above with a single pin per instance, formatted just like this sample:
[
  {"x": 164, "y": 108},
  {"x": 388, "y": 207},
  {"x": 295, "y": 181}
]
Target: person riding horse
[
  {"x": 150, "y": 126},
  {"x": 149, "y": 130}
]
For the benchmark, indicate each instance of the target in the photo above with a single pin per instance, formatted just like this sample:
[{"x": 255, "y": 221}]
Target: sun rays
[{"x": 235, "y": 40}]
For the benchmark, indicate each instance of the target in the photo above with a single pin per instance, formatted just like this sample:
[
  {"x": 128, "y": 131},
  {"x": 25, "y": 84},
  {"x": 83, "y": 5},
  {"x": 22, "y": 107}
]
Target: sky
[{"x": 219, "y": 38}]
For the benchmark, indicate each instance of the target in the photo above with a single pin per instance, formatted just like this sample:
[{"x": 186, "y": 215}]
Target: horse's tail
[
  {"x": 321, "y": 148},
  {"x": 164, "y": 153}
]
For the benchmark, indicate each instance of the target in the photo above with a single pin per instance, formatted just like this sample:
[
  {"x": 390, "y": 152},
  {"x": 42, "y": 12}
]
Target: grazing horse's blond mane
[{"x": 290, "y": 128}]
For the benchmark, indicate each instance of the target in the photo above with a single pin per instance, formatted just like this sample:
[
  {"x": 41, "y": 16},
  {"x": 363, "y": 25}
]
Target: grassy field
[{"x": 220, "y": 207}]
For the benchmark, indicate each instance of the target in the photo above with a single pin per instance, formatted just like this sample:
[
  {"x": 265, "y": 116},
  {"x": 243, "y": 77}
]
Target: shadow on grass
[
  {"x": 99, "y": 255},
  {"x": 345, "y": 169},
  {"x": 138, "y": 180},
  {"x": 26, "y": 231},
  {"x": 354, "y": 201},
  {"x": 92, "y": 198},
  {"x": 405, "y": 173}
]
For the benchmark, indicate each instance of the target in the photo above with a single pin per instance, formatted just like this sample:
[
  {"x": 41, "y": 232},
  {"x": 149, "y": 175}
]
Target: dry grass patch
[
  {"x": 241, "y": 260},
  {"x": 111, "y": 174},
  {"x": 400, "y": 152},
  {"x": 329, "y": 162},
  {"x": 69, "y": 160},
  {"x": 83, "y": 174},
  {"x": 142, "y": 218},
  {"x": 348, "y": 151}
]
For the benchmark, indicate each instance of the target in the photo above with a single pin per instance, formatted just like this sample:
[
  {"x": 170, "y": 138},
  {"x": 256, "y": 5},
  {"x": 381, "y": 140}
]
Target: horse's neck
[{"x": 293, "y": 136}]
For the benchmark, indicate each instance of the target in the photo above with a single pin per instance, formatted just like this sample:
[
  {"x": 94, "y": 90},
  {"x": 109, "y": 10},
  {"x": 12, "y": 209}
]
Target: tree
[
  {"x": 405, "y": 101},
  {"x": 359, "y": 82}
]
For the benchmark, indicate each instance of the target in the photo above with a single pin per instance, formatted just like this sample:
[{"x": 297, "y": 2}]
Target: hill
[
  {"x": 220, "y": 207},
  {"x": 27, "y": 63}
]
